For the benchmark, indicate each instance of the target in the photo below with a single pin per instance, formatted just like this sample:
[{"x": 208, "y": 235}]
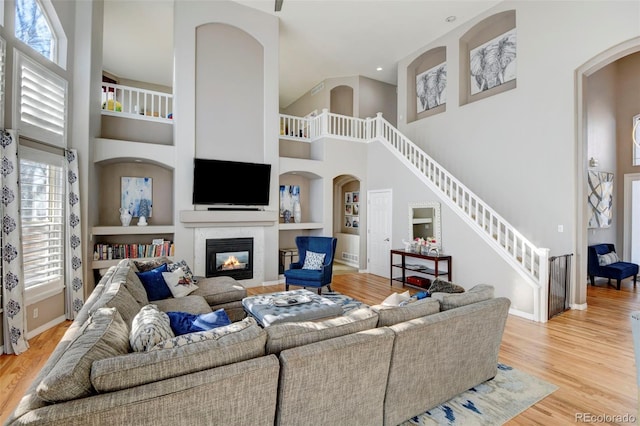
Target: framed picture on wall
[
  {"x": 348, "y": 209},
  {"x": 355, "y": 197},
  {"x": 136, "y": 196},
  {"x": 348, "y": 197},
  {"x": 355, "y": 210},
  {"x": 348, "y": 222}
]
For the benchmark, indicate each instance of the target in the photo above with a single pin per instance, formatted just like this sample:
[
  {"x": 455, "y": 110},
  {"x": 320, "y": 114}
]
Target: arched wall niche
[
  {"x": 341, "y": 100},
  {"x": 484, "y": 31},
  {"x": 426, "y": 61}
]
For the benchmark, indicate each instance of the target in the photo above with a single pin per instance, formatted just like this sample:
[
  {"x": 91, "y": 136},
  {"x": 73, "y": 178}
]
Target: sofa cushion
[
  {"x": 390, "y": 315},
  {"x": 154, "y": 284},
  {"x": 135, "y": 287},
  {"x": 219, "y": 290},
  {"x": 117, "y": 296},
  {"x": 226, "y": 345},
  {"x": 476, "y": 294},
  {"x": 288, "y": 335},
  {"x": 192, "y": 304},
  {"x": 104, "y": 335},
  {"x": 182, "y": 264},
  {"x": 179, "y": 284},
  {"x": 147, "y": 265},
  {"x": 149, "y": 327}
]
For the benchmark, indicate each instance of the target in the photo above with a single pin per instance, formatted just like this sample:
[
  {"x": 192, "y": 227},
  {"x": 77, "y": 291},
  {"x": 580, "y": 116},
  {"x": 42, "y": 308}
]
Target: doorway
[
  {"x": 632, "y": 218},
  {"x": 379, "y": 230}
]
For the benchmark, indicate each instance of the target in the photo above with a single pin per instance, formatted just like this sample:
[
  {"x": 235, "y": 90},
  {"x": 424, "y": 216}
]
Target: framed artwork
[
  {"x": 348, "y": 222},
  {"x": 348, "y": 209},
  {"x": 431, "y": 88},
  {"x": 493, "y": 63},
  {"x": 355, "y": 197},
  {"x": 600, "y": 199},
  {"x": 355, "y": 210},
  {"x": 136, "y": 196},
  {"x": 289, "y": 196},
  {"x": 348, "y": 197}
]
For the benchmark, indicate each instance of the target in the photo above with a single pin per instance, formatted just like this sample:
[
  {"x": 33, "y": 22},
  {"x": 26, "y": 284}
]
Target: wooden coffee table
[{"x": 267, "y": 310}]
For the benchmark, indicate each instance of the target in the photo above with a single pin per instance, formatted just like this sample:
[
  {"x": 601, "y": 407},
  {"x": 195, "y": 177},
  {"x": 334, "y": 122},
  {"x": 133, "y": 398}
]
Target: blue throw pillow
[
  {"x": 154, "y": 284},
  {"x": 184, "y": 322}
]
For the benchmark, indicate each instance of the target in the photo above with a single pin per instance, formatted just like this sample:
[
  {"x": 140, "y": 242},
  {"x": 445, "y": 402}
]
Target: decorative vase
[
  {"x": 125, "y": 217},
  {"x": 297, "y": 212},
  {"x": 142, "y": 221}
]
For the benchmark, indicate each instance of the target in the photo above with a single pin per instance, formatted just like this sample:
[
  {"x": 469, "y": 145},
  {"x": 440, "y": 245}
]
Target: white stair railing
[
  {"x": 136, "y": 103},
  {"x": 531, "y": 262}
]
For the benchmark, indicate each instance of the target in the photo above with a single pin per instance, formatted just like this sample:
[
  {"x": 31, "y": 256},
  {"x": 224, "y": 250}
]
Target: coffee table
[{"x": 269, "y": 309}]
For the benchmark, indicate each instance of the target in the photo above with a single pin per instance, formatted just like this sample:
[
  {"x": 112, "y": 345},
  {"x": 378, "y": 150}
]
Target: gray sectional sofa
[{"x": 373, "y": 366}]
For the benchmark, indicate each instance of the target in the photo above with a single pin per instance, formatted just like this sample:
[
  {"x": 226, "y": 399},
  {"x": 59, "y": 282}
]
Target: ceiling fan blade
[{"x": 279, "y": 5}]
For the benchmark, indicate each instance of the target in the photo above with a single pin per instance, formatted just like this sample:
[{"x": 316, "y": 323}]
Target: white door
[
  {"x": 379, "y": 210},
  {"x": 631, "y": 233}
]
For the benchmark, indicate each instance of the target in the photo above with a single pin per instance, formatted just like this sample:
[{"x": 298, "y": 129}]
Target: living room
[{"x": 482, "y": 143}]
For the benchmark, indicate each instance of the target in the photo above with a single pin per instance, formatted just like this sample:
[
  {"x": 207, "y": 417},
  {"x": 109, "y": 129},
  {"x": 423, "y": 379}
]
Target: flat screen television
[{"x": 221, "y": 182}]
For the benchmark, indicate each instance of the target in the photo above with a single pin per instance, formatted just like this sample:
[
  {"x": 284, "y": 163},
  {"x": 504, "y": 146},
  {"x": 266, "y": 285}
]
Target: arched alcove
[
  {"x": 427, "y": 84},
  {"x": 341, "y": 100},
  {"x": 492, "y": 38}
]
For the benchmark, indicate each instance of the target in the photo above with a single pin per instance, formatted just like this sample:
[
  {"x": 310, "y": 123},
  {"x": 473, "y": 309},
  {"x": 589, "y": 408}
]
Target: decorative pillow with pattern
[
  {"x": 608, "y": 259},
  {"x": 183, "y": 265},
  {"x": 147, "y": 265},
  {"x": 200, "y": 336},
  {"x": 179, "y": 284},
  {"x": 442, "y": 286},
  {"x": 150, "y": 327},
  {"x": 313, "y": 260}
]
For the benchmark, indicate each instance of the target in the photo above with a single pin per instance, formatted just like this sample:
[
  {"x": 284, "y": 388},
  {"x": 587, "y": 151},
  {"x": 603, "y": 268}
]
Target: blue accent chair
[
  {"x": 618, "y": 270},
  {"x": 297, "y": 276}
]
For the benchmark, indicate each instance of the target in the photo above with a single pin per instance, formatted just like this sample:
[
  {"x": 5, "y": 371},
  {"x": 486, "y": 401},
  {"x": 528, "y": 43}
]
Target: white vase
[
  {"x": 297, "y": 212},
  {"x": 125, "y": 217}
]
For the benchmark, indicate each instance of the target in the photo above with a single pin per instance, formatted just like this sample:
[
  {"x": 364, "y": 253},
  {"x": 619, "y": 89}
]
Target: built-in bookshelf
[{"x": 112, "y": 251}]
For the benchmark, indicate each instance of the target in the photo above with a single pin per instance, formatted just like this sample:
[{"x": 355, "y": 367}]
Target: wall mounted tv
[{"x": 220, "y": 182}]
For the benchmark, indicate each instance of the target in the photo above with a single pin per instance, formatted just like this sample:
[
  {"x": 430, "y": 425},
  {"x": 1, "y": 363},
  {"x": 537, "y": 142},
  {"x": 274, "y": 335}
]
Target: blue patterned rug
[{"x": 490, "y": 403}]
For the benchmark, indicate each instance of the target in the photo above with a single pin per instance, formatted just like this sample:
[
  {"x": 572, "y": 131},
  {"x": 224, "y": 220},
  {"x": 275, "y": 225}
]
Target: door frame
[
  {"x": 369, "y": 223},
  {"x": 626, "y": 213}
]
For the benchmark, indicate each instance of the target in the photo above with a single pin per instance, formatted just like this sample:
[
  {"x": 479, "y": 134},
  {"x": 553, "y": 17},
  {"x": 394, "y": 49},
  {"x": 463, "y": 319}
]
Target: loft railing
[
  {"x": 530, "y": 261},
  {"x": 136, "y": 103}
]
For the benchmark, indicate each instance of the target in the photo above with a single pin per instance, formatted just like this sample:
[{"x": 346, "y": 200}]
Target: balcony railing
[{"x": 136, "y": 103}]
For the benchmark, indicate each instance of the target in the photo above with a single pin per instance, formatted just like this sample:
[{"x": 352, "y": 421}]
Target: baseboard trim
[
  {"x": 44, "y": 327},
  {"x": 578, "y": 306},
  {"x": 521, "y": 314}
]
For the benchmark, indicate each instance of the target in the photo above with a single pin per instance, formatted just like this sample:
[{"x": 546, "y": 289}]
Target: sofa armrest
[
  {"x": 295, "y": 265},
  {"x": 198, "y": 398}
]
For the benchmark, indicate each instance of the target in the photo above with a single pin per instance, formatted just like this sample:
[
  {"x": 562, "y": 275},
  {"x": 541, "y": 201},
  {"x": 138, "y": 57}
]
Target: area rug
[{"x": 490, "y": 403}]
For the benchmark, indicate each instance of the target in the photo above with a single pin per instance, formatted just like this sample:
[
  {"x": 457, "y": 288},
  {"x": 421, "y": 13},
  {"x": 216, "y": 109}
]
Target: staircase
[{"x": 529, "y": 261}]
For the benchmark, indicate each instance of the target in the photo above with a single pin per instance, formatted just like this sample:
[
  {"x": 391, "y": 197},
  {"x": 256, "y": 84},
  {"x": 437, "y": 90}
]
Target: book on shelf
[{"x": 109, "y": 251}]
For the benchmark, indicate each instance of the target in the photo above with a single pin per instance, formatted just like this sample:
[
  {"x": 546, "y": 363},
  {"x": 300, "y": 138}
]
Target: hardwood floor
[{"x": 587, "y": 354}]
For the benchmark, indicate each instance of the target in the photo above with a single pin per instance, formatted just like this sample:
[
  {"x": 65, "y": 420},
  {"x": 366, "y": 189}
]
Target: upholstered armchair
[
  {"x": 314, "y": 267},
  {"x": 603, "y": 262}
]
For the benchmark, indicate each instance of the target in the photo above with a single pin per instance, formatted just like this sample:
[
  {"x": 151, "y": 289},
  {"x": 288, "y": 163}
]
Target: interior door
[{"x": 379, "y": 211}]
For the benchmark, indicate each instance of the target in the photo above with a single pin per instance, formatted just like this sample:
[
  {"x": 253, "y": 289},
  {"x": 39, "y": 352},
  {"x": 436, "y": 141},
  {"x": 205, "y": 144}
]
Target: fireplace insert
[{"x": 231, "y": 257}]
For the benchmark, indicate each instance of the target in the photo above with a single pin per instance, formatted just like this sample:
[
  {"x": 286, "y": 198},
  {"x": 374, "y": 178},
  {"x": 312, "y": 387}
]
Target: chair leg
[
  {"x": 329, "y": 287},
  {"x": 319, "y": 290},
  {"x": 286, "y": 287},
  {"x": 618, "y": 284},
  {"x": 592, "y": 280},
  {"x": 635, "y": 277}
]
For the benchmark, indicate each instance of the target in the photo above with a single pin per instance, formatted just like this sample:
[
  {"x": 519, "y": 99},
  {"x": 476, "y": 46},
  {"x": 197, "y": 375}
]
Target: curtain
[
  {"x": 14, "y": 310},
  {"x": 74, "y": 288}
]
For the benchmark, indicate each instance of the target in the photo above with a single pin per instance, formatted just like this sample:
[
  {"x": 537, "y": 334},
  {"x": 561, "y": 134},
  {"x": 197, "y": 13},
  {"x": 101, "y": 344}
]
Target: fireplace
[{"x": 231, "y": 257}]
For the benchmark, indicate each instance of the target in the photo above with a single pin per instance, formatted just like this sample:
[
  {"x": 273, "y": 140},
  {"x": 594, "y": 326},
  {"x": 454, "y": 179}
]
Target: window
[
  {"x": 33, "y": 28},
  {"x": 42, "y": 212},
  {"x": 40, "y": 102}
]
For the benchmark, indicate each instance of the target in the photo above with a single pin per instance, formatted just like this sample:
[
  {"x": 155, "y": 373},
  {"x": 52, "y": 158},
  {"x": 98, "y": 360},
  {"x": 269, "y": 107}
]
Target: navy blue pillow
[
  {"x": 154, "y": 284},
  {"x": 184, "y": 322}
]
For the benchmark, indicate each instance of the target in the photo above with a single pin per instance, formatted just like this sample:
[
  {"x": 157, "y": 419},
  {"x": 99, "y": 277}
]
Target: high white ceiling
[{"x": 319, "y": 39}]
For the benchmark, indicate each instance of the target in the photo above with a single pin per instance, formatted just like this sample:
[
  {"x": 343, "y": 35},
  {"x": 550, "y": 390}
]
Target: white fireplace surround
[{"x": 257, "y": 233}]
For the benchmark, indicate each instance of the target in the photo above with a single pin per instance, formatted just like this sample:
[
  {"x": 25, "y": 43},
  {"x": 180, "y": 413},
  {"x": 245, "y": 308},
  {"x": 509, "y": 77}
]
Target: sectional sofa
[{"x": 373, "y": 366}]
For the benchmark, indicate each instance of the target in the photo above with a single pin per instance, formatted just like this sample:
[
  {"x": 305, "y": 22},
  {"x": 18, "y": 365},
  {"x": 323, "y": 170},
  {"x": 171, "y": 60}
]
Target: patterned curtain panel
[
  {"x": 14, "y": 309},
  {"x": 74, "y": 293}
]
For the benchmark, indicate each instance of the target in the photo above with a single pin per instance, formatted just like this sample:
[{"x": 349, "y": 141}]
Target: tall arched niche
[
  {"x": 480, "y": 34},
  {"x": 427, "y": 61}
]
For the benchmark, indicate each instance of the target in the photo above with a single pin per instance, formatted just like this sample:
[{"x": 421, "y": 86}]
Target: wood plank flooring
[{"x": 588, "y": 354}]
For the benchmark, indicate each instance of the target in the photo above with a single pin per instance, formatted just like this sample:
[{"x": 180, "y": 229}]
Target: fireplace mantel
[{"x": 224, "y": 218}]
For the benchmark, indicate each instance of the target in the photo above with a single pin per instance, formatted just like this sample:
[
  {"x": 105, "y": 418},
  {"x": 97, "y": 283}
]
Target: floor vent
[{"x": 349, "y": 257}]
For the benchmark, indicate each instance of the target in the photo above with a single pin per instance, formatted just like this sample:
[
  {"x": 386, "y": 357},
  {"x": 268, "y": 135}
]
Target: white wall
[{"x": 517, "y": 150}]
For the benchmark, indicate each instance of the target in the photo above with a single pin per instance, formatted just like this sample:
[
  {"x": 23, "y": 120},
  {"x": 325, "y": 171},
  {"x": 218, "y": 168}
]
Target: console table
[{"x": 432, "y": 267}]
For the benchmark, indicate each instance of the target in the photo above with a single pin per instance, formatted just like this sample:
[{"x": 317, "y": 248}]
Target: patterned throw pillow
[
  {"x": 182, "y": 264},
  {"x": 201, "y": 336},
  {"x": 147, "y": 265},
  {"x": 149, "y": 327},
  {"x": 608, "y": 258},
  {"x": 442, "y": 286},
  {"x": 313, "y": 260},
  {"x": 178, "y": 282}
]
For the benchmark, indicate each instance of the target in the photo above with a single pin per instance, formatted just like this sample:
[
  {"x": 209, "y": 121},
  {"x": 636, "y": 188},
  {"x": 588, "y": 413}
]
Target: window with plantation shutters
[
  {"x": 40, "y": 102},
  {"x": 42, "y": 187}
]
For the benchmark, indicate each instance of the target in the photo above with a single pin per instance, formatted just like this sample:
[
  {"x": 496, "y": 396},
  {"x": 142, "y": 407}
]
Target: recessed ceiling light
[
  {"x": 379, "y": 69},
  {"x": 450, "y": 18}
]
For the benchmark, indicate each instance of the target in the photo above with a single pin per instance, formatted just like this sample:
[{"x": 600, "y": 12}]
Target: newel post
[
  {"x": 379, "y": 125},
  {"x": 543, "y": 277},
  {"x": 324, "y": 126}
]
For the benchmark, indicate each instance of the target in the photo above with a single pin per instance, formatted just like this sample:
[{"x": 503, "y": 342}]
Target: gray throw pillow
[{"x": 442, "y": 286}]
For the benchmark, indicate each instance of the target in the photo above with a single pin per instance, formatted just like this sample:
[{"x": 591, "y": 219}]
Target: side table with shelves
[{"x": 432, "y": 267}]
